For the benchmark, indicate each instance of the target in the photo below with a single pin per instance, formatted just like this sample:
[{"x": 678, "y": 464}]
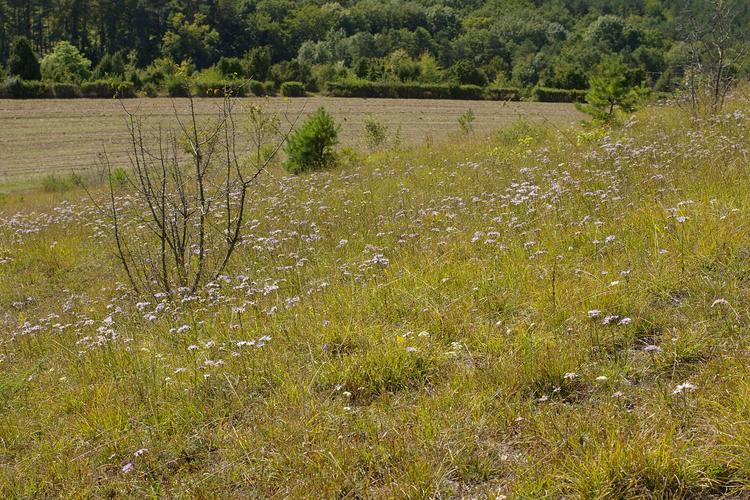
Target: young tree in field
[
  {"x": 610, "y": 91},
  {"x": 716, "y": 48},
  {"x": 311, "y": 146},
  {"x": 180, "y": 214},
  {"x": 23, "y": 61},
  {"x": 65, "y": 64}
]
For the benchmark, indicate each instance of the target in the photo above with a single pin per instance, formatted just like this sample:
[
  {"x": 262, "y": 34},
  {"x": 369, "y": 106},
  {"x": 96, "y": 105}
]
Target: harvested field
[{"x": 42, "y": 136}]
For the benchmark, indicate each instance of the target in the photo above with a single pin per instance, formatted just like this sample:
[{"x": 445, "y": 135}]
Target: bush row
[
  {"x": 239, "y": 88},
  {"x": 546, "y": 94},
  {"x": 293, "y": 89},
  {"x": 364, "y": 88},
  {"x": 15, "y": 88}
]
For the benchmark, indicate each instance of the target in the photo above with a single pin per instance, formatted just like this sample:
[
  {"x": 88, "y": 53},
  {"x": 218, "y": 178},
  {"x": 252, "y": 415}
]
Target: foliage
[
  {"x": 293, "y": 89},
  {"x": 23, "y": 61},
  {"x": 523, "y": 44},
  {"x": 545, "y": 94},
  {"x": 311, "y": 146},
  {"x": 107, "y": 89},
  {"x": 610, "y": 91},
  {"x": 363, "y": 88},
  {"x": 466, "y": 122},
  {"x": 65, "y": 64},
  {"x": 376, "y": 132},
  {"x": 191, "y": 40}
]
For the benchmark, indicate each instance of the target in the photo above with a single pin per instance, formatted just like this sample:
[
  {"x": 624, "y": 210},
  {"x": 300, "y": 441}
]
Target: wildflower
[
  {"x": 682, "y": 218},
  {"x": 127, "y": 468},
  {"x": 594, "y": 313},
  {"x": 618, "y": 394},
  {"x": 609, "y": 319},
  {"x": 570, "y": 376},
  {"x": 411, "y": 349},
  {"x": 652, "y": 348},
  {"x": 140, "y": 452},
  {"x": 193, "y": 348},
  {"x": 684, "y": 387},
  {"x": 624, "y": 321}
]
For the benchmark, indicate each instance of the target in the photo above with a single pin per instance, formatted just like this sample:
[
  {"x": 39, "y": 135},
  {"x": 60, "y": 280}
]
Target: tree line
[{"x": 499, "y": 43}]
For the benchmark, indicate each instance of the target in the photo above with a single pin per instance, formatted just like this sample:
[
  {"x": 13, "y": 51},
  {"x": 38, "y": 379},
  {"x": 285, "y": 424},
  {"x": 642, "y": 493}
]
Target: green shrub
[
  {"x": 177, "y": 86},
  {"x": 546, "y": 94},
  {"x": 65, "y": 64},
  {"x": 399, "y": 90},
  {"x": 53, "y": 183},
  {"x": 466, "y": 122},
  {"x": 16, "y": 88},
  {"x": 261, "y": 89},
  {"x": 293, "y": 89},
  {"x": 376, "y": 132},
  {"x": 119, "y": 176},
  {"x": 311, "y": 146},
  {"x": 502, "y": 94},
  {"x": 220, "y": 88},
  {"x": 65, "y": 90},
  {"x": 269, "y": 87},
  {"x": 107, "y": 89}
]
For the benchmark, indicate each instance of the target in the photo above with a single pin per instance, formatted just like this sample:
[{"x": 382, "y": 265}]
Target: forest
[{"x": 520, "y": 44}]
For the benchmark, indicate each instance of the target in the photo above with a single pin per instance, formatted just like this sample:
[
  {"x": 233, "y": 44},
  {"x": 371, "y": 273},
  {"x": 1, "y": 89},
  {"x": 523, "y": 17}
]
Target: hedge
[
  {"x": 396, "y": 90},
  {"x": 546, "y": 94},
  {"x": 107, "y": 89},
  {"x": 219, "y": 88},
  {"x": 293, "y": 89},
  {"x": 15, "y": 88},
  {"x": 503, "y": 94}
]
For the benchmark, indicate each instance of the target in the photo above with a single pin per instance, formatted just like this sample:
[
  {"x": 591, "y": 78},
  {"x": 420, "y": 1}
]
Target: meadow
[{"x": 539, "y": 311}]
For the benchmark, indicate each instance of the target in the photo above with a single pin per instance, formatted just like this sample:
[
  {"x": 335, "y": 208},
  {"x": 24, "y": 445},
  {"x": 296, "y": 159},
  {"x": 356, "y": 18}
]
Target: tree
[
  {"x": 195, "y": 40},
  {"x": 65, "y": 64},
  {"x": 311, "y": 146},
  {"x": 609, "y": 91},
  {"x": 714, "y": 54},
  {"x": 189, "y": 193},
  {"x": 22, "y": 61}
]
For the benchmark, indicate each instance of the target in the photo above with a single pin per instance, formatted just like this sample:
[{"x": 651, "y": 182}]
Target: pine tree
[
  {"x": 609, "y": 91},
  {"x": 22, "y": 61}
]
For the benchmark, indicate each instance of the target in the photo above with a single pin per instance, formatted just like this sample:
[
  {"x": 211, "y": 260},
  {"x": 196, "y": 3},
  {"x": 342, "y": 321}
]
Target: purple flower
[
  {"x": 127, "y": 468},
  {"x": 652, "y": 348}
]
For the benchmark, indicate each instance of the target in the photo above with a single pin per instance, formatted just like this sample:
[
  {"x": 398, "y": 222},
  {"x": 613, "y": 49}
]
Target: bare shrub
[{"x": 179, "y": 219}]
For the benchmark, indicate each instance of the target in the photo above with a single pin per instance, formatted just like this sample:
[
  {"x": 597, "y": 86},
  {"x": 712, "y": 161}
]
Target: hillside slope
[{"x": 542, "y": 312}]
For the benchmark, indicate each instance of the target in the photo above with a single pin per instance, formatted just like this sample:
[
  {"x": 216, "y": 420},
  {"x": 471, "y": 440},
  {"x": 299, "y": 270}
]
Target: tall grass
[{"x": 541, "y": 313}]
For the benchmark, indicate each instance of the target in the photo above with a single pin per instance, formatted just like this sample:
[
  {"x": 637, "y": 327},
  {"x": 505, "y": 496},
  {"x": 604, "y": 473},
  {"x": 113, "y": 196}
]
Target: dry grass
[
  {"x": 61, "y": 136},
  {"x": 517, "y": 315}
]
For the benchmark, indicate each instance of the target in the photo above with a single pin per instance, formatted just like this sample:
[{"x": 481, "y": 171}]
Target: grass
[
  {"x": 538, "y": 303},
  {"x": 42, "y": 137}
]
